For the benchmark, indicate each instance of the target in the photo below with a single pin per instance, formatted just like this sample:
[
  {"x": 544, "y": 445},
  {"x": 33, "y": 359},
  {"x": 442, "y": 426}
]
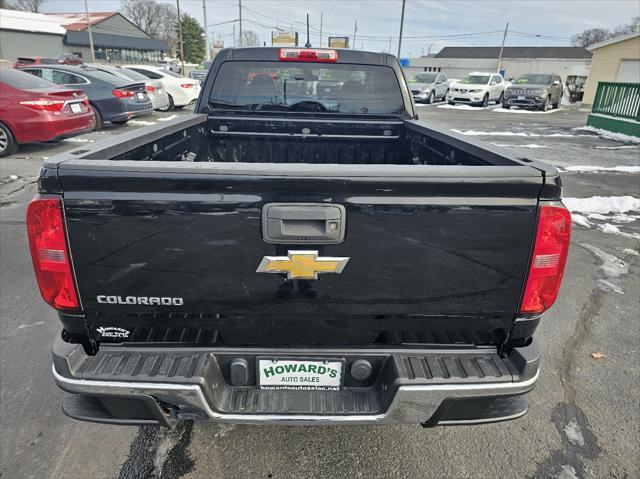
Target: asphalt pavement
[{"x": 583, "y": 419}]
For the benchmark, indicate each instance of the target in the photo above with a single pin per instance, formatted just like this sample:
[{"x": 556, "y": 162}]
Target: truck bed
[
  {"x": 300, "y": 140},
  {"x": 157, "y": 216}
]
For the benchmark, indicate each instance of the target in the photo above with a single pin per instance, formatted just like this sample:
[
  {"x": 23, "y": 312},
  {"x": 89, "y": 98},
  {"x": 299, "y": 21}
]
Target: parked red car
[{"x": 33, "y": 110}]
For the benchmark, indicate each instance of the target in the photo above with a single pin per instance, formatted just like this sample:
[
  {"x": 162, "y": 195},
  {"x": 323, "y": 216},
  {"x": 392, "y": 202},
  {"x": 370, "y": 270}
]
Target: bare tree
[
  {"x": 250, "y": 39},
  {"x": 632, "y": 27},
  {"x": 590, "y": 36},
  {"x": 157, "y": 19},
  {"x": 26, "y": 5},
  {"x": 596, "y": 35}
]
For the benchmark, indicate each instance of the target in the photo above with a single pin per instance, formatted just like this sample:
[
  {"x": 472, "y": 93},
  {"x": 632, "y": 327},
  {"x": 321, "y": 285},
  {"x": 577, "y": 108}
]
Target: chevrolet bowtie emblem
[{"x": 302, "y": 264}]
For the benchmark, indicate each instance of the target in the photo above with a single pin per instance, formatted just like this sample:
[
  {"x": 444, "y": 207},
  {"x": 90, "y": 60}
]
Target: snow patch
[
  {"x": 514, "y": 133},
  {"x": 574, "y": 433},
  {"x": 619, "y": 218},
  {"x": 611, "y": 265},
  {"x": 596, "y": 169},
  {"x": 604, "y": 208},
  {"x": 603, "y": 204},
  {"x": 580, "y": 220},
  {"x": 566, "y": 472},
  {"x": 609, "y": 286},
  {"x": 140, "y": 122},
  {"x": 623, "y": 147},
  {"x": 493, "y": 133},
  {"x": 609, "y": 228},
  {"x": 78, "y": 140},
  {"x": 436, "y": 103},
  {"x": 563, "y": 135},
  {"x": 631, "y": 252},
  {"x": 13, "y": 177},
  {"x": 610, "y": 135},
  {"x": 168, "y": 118},
  {"x": 530, "y": 145},
  {"x": 612, "y": 229},
  {"x": 467, "y": 107},
  {"x": 624, "y": 218},
  {"x": 223, "y": 430},
  {"x": 522, "y": 110}
]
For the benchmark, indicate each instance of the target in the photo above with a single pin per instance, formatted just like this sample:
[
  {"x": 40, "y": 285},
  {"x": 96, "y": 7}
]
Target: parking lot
[{"x": 583, "y": 417}]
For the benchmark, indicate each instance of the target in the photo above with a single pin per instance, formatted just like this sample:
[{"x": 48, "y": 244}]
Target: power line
[
  {"x": 222, "y": 23},
  {"x": 340, "y": 32},
  {"x": 539, "y": 35}
]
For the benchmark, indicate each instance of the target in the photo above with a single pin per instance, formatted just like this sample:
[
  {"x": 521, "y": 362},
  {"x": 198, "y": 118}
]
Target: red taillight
[
  {"x": 308, "y": 55},
  {"x": 44, "y": 105},
  {"x": 150, "y": 89},
  {"x": 122, "y": 93},
  {"x": 85, "y": 100},
  {"x": 549, "y": 257},
  {"x": 186, "y": 85},
  {"x": 49, "y": 253}
]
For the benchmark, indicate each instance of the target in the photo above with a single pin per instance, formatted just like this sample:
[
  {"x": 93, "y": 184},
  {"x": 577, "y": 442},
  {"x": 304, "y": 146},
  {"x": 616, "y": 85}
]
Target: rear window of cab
[{"x": 307, "y": 87}]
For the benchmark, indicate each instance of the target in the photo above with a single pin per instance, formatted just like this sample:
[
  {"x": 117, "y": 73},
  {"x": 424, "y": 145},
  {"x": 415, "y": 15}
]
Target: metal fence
[{"x": 620, "y": 100}]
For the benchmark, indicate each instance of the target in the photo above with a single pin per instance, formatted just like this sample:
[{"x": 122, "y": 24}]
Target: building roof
[
  {"x": 78, "y": 21},
  {"x": 611, "y": 41},
  {"x": 55, "y": 23},
  {"x": 514, "y": 52},
  {"x": 114, "y": 41},
  {"x": 31, "y": 22}
]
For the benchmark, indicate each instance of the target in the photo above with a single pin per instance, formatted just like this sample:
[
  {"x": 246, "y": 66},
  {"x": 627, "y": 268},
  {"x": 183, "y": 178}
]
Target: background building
[
  {"x": 615, "y": 60},
  {"x": 456, "y": 62},
  {"x": 115, "y": 39}
]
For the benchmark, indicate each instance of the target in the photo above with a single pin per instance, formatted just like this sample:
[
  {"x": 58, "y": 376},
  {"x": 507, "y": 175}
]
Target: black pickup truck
[{"x": 300, "y": 251}]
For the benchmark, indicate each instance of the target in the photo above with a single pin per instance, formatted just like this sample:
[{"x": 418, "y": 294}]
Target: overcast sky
[{"x": 380, "y": 19}]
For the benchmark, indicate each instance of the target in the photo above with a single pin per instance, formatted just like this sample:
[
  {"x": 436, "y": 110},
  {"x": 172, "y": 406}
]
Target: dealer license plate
[
  {"x": 140, "y": 96},
  {"x": 299, "y": 373},
  {"x": 75, "y": 108},
  {"x": 521, "y": 97}
]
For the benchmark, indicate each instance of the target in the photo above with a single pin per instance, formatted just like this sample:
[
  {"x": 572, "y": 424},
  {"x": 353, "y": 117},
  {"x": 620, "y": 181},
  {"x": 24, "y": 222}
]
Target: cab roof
[{"x": 272, "y": 54}]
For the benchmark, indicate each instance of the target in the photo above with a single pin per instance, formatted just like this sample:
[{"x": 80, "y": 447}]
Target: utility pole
[
  {"x": 308, "y": 44},
  {"x": 240, "y": 20},
  {"x": 355, "y": 30},
  {"x": 180, "y": 37},
  {"x": 234, "y": 35},
  {"x": 86, "y": 12},
  {"x": 504, "y": 37},
  {"x": 401, "y": 25},
  {"x": 320, "y": 44},
  {"x": 389, "y": 44},
  {"x": 206, "y": 30}
]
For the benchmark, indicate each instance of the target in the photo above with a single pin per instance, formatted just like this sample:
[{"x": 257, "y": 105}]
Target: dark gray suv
[
  {"x": 110, "y": 98},
  {"x": 534, "y": 90}
]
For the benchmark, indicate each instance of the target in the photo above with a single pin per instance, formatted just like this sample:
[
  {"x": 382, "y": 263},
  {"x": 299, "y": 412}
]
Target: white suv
[
  {"x": 182, "y": 90},
  {"x": 477, "y": 88}
]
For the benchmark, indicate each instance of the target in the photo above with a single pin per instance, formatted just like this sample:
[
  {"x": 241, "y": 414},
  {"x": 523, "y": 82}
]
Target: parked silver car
[
  {"x": 429, "y": 87},
  {"x": 157, "y": 94}
]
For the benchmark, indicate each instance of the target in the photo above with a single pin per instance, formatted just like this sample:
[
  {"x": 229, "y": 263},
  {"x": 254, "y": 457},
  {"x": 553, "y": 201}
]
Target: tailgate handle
[{"x": 315, "y": 223}]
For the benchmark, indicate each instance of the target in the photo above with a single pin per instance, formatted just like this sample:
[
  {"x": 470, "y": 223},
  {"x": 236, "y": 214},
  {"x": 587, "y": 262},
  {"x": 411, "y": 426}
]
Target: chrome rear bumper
[{"x": 397, "y": 395}]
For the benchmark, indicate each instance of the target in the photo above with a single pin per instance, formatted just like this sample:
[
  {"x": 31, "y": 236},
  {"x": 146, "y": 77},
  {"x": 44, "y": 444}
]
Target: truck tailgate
[{"x": 437, "y": 258}]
